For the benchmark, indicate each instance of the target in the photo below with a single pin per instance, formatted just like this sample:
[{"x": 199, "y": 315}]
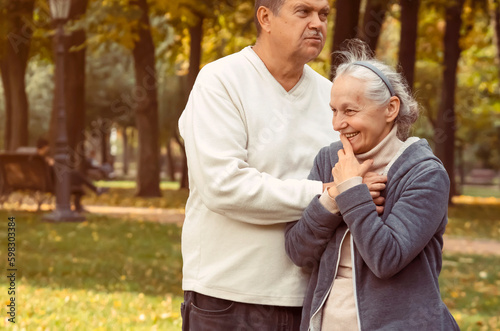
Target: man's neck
[{"x": 284, "y": 70}]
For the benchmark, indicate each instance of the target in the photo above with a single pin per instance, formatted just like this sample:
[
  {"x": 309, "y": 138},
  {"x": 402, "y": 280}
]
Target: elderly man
[{"x": 252, "y": 125}]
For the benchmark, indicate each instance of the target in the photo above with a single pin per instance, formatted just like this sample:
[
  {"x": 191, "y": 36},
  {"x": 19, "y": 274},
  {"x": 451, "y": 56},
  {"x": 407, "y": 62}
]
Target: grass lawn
[
  {"x": 470, "y": 287},
  {"x": 103, "y": 274},
  {"x": 115, "y": 274}
]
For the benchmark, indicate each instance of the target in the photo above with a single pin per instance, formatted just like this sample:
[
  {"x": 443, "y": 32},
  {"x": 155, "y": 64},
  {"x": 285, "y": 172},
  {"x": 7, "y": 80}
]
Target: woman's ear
[
  {"x": 263, "y": 15},
  {"x": 392, "y": 109}
]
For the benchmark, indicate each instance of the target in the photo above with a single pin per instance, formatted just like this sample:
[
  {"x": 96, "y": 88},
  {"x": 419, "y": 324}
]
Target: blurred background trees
[{"x": 132, "y": 63}]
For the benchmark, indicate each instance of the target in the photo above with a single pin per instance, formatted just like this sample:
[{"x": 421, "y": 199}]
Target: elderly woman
[{"x": 373, "y": 269}]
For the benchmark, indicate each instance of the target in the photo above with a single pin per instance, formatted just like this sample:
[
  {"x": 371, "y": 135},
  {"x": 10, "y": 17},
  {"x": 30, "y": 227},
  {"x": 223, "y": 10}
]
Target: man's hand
[
  {"x": 327, "y": 185},
  {"x": 376, "y": 184}
]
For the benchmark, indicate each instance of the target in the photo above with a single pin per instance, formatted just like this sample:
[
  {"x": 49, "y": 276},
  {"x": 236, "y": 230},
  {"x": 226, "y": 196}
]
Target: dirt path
[
  {"x": 469, "y": 246},
  {"x": 137, "y": 213}
]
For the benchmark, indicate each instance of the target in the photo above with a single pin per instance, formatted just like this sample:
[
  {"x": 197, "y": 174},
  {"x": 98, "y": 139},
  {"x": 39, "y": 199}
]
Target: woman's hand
[{"x": 348, "y": 166}]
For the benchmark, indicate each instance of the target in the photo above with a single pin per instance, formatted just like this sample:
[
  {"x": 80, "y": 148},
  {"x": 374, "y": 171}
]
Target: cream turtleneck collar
[{"x": 384, "y": 152}]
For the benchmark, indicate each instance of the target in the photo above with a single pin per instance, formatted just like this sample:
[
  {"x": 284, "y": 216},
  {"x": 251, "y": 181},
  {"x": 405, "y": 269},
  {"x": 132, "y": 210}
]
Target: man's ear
[
  {"x": 392, "y": 109},
  {"x": 264, "y": 17}
]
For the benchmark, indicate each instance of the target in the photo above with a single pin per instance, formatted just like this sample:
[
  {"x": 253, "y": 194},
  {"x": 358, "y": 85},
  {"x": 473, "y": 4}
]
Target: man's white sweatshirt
[{"x": 250, "y": 146}]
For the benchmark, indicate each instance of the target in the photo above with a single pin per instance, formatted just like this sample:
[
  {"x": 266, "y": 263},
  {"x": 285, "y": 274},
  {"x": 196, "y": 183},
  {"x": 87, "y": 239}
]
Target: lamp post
[{"x": 60, "y": 11}]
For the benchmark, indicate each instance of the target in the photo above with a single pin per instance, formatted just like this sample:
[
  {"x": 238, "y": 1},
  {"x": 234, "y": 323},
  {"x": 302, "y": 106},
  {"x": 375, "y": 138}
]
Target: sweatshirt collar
[{"x": 296, "y": 91}]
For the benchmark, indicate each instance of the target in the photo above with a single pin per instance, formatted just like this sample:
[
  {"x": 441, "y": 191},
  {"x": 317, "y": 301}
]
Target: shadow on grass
[{"x": 103, "y": 254}]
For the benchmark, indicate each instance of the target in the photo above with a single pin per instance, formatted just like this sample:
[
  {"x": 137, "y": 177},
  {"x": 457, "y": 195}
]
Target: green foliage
[
  {"x": 40, "y": 92},
  {"x": 111, "y": 27},
  {"x": 477, "y": 105},
  {"x": 41, "y": 47},
  {"x": 110, "y": 86},
  {"x": 427, "y": 89},
  {"x": 431, "y": 25},
  {"x": 228, "y": 27},
  {"x": 171, "y": 99},
  {"x": 111, "y": 21},
  {"x": 229, "y": 31}
]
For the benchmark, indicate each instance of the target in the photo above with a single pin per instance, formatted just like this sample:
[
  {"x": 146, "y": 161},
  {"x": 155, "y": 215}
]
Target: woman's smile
[
  {"x": 351, "y": 135},
  {"x": 354, "y": 113}
]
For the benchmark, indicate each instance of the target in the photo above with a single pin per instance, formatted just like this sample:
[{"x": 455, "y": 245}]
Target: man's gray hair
[
  {"x": 376, "y": 90},
  {"x": 273, "y": 5}
]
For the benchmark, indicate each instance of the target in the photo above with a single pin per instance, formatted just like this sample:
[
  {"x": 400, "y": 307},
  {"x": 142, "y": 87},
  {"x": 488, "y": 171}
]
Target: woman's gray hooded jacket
[{"x": 397, "y": 255}]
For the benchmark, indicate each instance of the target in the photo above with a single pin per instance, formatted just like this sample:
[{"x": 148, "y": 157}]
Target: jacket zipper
[
  {"x": 354, "y": 282},
  {"x": 331, "y": 285}
]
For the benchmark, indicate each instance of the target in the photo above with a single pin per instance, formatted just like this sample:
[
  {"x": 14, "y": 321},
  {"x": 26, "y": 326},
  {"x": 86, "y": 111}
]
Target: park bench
[
  {"x": 481, "y": 177},
  {"x": 28, "y": 172}
]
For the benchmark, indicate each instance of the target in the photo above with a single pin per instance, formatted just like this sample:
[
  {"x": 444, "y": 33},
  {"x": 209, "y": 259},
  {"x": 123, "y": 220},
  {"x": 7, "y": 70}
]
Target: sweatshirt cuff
[
  {"x": 328, "y": 202},
  {"x": 317, "y": 187},
  {"x": 356, "y": 196},
  {"x": 349, "y": 183}
]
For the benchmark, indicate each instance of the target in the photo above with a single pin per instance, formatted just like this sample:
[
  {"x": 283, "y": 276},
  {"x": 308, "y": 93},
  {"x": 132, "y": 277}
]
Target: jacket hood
[{"x": 418, "y": 152}]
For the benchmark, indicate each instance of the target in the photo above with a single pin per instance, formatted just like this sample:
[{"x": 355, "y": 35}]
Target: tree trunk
[
  {"x": 8, "y": 107},
  {"x": 373, "y": 20},
  {"x": 104, "y": 142},
  {"x": 346, "y": 26},
  {"x": 444, "y": 134},
  {"x": 170, "y": 161},
  {"x": 75, "y": 88},
  {"x": 408, "y": 41},
  {"x": 15, "y": 58},
  {"x": 132, "y": 153},
  {"x": 461, "y": 167},
  {"x": 196, "y": 33},
  {"x": 125, "y": 152},
  {"x": 146, "y": 110},
  {"x": 74, "y": 77},
  {"x": 496, "y": 27}
]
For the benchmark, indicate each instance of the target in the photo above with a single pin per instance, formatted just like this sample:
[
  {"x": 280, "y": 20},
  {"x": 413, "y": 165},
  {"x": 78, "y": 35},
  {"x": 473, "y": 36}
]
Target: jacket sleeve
[
  {"x": 215, "y": 138},
  {"x": 307, "y": 238},
  {"x": 388, "y": 245}
]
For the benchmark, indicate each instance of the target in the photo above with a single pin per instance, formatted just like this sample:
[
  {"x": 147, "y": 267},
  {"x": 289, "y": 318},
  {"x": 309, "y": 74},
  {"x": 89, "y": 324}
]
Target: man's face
[
  {"x": 43, "y": 150},
  {"x": 299, "y": 29}
]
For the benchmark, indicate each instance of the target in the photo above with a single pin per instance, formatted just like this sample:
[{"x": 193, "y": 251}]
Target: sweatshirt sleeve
[
  {"x": 390, "y": 244},
  {"x": 215, "y": 139},
  {"x": 306, "y": 239}
]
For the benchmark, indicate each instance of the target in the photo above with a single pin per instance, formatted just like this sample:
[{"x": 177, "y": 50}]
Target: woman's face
[{"x": 364, "y": 123}]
